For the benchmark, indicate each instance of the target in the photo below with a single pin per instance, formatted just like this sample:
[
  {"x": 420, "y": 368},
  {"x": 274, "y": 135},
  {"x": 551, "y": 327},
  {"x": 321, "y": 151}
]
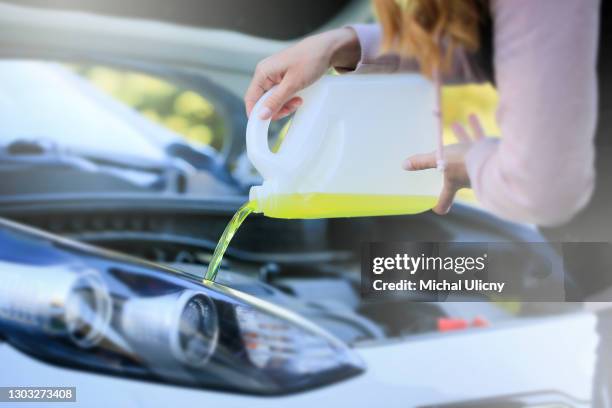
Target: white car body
[
  {"x": 543, "y": 360},
  {"x": 554, "y": 358}
]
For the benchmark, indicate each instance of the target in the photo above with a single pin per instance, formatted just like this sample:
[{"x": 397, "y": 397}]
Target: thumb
[
  {"x": 277, "y": 99},
  {"x": 420, "y": 162},
  {"x": 445, "y": 201}
]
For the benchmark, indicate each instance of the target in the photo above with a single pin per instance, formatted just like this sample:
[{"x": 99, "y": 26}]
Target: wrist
[{"x": 345, "y": 50}]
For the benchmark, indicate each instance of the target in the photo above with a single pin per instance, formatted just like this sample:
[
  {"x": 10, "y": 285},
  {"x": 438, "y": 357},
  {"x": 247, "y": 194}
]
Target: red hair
[{"x": 415, "y": 28}]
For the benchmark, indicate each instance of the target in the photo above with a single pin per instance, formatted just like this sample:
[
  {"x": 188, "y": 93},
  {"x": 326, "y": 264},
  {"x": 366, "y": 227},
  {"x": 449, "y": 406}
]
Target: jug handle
[{"x": 258, "y": 150}]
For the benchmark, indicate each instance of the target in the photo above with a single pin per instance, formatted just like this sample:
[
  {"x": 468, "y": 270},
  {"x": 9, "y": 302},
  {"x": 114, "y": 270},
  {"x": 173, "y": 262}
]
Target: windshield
[
  {"x": 96, "y": 129},
  {"x": 46, "y": 101}
]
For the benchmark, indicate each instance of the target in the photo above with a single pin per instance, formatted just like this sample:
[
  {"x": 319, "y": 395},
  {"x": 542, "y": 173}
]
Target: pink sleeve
[
  {"x": 372, "y": 61},
  {"x": 542, "y": 169}
]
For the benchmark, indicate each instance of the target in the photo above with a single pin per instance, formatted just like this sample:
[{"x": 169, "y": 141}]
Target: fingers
[
  {"x": 280, "y": 95},
  {"x": 289, "y": 107},
  {"x": 420, "y": 162},
  {"x": 461, "y": 133},
  {"x": 476, "y": 127},
  {"x": 261, "y": 84},
  {"x": 258, "y": 86},
  {"x": 428, "y": 161},
  {"x": 251, "y": 98},
  {"x": 445, "y": 201}
]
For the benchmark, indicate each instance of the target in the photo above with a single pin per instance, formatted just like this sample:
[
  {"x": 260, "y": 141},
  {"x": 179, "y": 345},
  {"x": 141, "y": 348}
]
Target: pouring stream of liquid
[{"x": 226, "y": 237}]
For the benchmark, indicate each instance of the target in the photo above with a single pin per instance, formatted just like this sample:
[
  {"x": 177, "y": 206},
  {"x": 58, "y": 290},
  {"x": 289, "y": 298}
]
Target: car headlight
[
  {"x": 74, "y": 305},
  {"x": 183, "y": 326},
  {"x": 67, "y": 301}
]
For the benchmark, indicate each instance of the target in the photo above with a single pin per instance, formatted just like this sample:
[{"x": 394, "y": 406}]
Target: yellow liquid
[
  {"x": 322, "y": 205},
  {"x": 226, "y": 237},
  {"x": 318, "y": 205}
]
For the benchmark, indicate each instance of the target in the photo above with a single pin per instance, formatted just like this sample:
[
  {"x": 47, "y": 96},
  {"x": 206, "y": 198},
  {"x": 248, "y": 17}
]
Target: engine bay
[{"x": 311, "y": 267}]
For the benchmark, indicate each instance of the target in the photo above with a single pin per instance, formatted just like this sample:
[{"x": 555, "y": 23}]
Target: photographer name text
[{"x": 470, "y": 285}]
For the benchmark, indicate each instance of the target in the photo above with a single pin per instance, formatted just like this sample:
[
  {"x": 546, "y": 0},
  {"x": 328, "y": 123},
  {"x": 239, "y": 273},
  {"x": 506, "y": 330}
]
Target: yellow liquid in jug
[
  {"x": 318, "y": 205},
  {"x": 323, "y": 205}
]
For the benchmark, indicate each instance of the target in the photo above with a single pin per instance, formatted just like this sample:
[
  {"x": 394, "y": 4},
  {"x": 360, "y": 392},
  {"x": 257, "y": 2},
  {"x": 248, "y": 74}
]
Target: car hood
[
  {"x": 274, "y": 19},
  {"x": 220, "y": 53}
]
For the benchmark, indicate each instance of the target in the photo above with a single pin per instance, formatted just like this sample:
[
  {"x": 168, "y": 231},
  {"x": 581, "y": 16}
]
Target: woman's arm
[
  {"x": 372, "y": 61},
  {"x": 298, "y": 66},
  {"x": 542, "y": 169},
  {"x": 354, "y": 48}
]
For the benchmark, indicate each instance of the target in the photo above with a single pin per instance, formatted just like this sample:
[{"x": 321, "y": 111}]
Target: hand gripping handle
[{"x": 258, "y": 150}]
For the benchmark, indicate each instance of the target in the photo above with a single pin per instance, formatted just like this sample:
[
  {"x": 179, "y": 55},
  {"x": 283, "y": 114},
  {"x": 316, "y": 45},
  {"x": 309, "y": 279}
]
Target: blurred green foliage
[{"x": 181, "y": 110}]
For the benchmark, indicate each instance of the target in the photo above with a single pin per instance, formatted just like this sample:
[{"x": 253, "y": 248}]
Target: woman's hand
[
  {"x": 455, "y": 172},
  {"x": 298, "y": 66}
]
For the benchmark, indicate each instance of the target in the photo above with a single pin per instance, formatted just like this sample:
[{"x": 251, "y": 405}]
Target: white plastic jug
[{"x": 343, "y": 153}]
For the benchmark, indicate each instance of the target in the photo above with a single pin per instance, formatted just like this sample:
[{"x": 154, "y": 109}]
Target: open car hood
[
  {"x": 274, "y": 19},
  {"x": 139, "y": 36}
]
